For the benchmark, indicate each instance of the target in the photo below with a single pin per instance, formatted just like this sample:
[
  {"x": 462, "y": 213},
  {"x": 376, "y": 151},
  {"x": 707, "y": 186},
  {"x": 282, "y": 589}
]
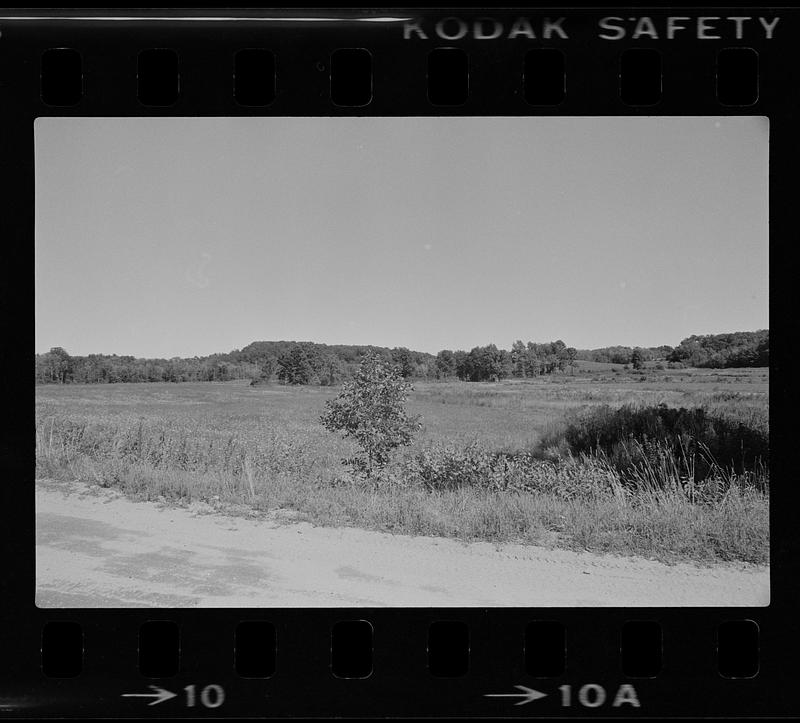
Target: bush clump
[
  {"x": 443, "y": 468},
  {"x": 696, "y": 443}
]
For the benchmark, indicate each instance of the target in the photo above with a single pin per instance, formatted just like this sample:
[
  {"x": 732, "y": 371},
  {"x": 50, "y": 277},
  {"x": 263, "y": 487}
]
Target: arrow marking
[
  {"x": 528, "y": 694},
  {"x": 160, "y": 695}
]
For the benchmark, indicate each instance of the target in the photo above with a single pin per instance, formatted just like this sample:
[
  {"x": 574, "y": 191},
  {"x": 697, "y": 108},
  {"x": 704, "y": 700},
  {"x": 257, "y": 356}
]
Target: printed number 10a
[{"x": 593, "y": 695}]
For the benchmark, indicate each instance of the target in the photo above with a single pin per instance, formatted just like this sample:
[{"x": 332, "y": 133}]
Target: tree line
[
  {"x": 59, "y": 367},
  {"x": 625, "y": 354},
  {"x": 286, "y": 361},
  {"x": 293, "y": 362},
  {"x": 488, "y": 363},
  {"x": 718, "y": 351}
]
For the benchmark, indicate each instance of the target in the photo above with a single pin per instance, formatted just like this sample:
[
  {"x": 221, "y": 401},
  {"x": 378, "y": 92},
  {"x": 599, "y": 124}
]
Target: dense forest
[{"x": 310, "y": 363}]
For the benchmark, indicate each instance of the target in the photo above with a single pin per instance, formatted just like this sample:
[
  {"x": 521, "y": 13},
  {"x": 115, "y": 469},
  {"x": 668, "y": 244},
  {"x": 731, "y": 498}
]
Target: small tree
[
  {"x": 571, "y": 353},
  {"x": 371, "y": 410},
  {"x": 294, "y": 367},
  {"x": 445, "y": 364},
  {"x": 268, "y": 366},
  {"x": 404, "y": 361},
  {"x": 61, "y": 364}
]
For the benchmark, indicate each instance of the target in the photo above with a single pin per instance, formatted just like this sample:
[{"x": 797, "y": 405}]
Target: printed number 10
[{"x": 212, "y": 696}]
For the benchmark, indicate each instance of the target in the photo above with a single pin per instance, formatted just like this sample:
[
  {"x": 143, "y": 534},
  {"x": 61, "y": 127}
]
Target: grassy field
[{"x": 248, "y": 449}]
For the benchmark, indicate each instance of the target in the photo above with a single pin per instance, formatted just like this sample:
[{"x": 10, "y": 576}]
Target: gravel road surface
[{"x": 95, "y": 548}]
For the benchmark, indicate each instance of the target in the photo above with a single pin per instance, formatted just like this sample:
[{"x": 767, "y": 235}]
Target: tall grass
[{"x": 581, "y": 499}]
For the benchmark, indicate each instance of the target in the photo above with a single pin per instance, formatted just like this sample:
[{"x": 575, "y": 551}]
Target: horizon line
[{"x": 379, "y": 346}]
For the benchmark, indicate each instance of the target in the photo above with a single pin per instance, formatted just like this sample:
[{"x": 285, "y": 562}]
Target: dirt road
[{"x": 102, "y": 550}]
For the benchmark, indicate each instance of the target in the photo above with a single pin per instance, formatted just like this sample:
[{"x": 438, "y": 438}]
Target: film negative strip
[{"x": 399, "y": 362}]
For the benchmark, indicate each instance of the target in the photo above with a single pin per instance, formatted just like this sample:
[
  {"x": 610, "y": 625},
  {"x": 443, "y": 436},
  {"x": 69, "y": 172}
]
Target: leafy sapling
[{"x": 371, "y": 410}]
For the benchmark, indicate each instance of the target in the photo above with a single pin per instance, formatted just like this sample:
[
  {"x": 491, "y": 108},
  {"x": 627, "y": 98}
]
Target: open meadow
[{"x": 492, "y": 461}]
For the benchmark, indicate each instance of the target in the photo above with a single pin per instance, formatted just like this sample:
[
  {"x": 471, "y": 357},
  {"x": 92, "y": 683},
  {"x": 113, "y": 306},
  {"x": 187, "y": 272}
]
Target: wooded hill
[
  {"x": 716, "y": 351},
  {"x": 310, "y": 363}
]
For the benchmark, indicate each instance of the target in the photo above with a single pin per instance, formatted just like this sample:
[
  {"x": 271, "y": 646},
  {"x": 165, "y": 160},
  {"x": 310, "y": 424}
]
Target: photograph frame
[{"x": 110, "y": 679}]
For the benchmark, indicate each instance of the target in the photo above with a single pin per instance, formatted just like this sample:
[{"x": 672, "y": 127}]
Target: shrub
[
  {"x": 699, "y": 442},
  {"x": 371, "y": 410},
  {"x": 443, "y": 468}
]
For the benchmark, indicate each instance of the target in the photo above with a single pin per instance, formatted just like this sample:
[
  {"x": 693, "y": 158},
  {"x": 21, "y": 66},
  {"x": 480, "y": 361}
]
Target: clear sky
[{"x": 161, "y": 237}]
